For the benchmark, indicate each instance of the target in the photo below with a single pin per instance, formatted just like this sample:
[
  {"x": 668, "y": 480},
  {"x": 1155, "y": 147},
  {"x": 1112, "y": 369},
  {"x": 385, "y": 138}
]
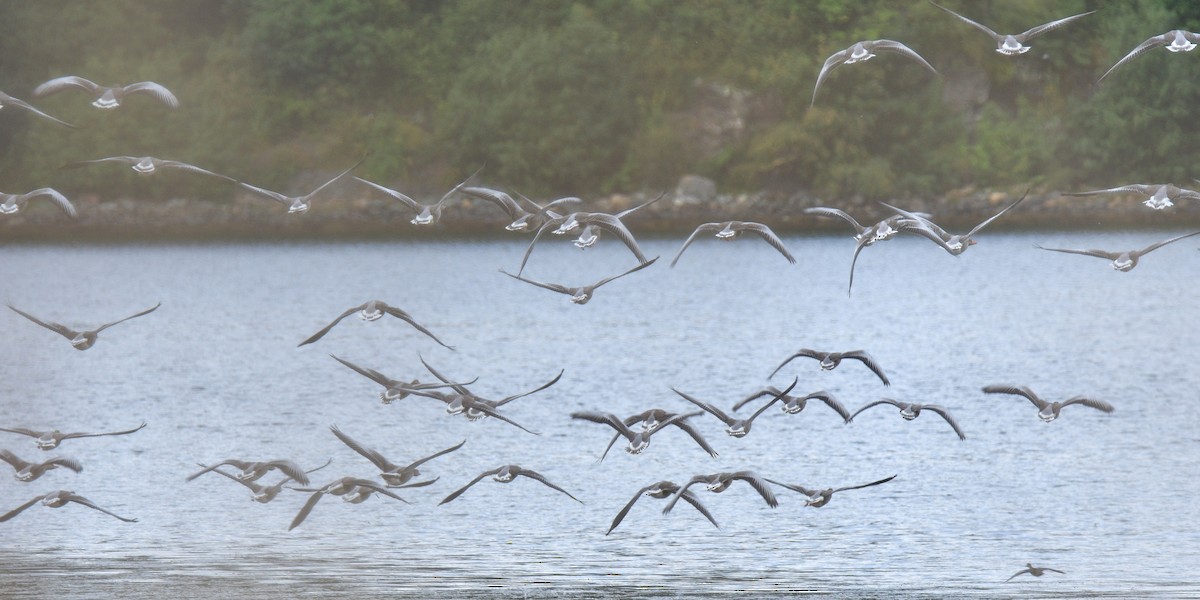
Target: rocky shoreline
[{"x": 695, "y": 200}]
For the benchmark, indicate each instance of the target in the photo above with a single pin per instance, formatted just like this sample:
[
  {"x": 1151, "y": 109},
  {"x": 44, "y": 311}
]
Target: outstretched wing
[
  {"x": 491, "y": 412},
  {"x": 777, "y": 397},
  {"x": 759, "y": 484},
  {"x": 61, "y": 83},
  {"x": 997, "y": 215},
  {"x": 409, "y": 202},
  {"x": 154, "y": 89},
  {"x": 691, "y": 498},
  {"x": 834, "y": 61},
  {"x": 823, "y": 211},
  {"x": 1016, "y": 390},
  {"x": 793, "y": 487},
  {"x": 770, "y": 391},
  {"x": 371, "y": 374},
  {"x": 895, "y": 47},
  {"x": 771, "y": 239},
  {"x": 803, "y": 352},
  {"x": 714, "y": 411},
  {"x": 949, "y": 419},
  {"x": 614, "y": 224},
  {"x": 605, "y": 419},
  {"x": 1097, "y": 253},
  {"x": 704, "y": 228},
  {"x": 421, "y": 461},
  {"x": 182, "y": 166},
  {"x": 875, "y": 403},
  {"x": 62, "y": 330},
  {"x": 12, "y": 459},
  {"x": 1051, "y": 26},
  {"x": 16, "y": 511},
  {"x": 459, "y": 491},
  {"x": 320, "y": 334},
  {"x": 83, "y": 435},
  {"x": 1142, "y": 48},
  {"x": 637, "y": 268},
  {"x": 276, "y": 196},
  {"x": 501, "y": 199},
  {"x": 981, "y": 27},
  {"x": 695, "y": 434},
  {"x": 562, "y": 289},
  {"x": 508, "y": 399},
  {"x": 1090, "y": 402},
  {"x": 1157, "y": 245},
  {"x": 539, "y": 477},
  {"x": 407, "y": 318},
  {"x": 550, "y": 224},
  {"x": 376, "y": 458},
  {"x": 307, "y": 508},
  {"x": 88, "y": 503},
  {"x": 29, "y": 107},
  {"x": 831, "y": 402},
  {"x": 625, "y": 509},
  {"x": 867, "y": 360},
  {"x": 334, "y": 180},
  {"x": 144, "y": 312}
]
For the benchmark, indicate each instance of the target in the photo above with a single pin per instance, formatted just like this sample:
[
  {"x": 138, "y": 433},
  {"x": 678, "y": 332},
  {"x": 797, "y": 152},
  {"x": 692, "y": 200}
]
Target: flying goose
[
  {"x": 830, "y": 360},
  {"x": 731, "y": 230},
  {"x": 952, "y": 243},
  {"x": 1159, "y": 196},
  {"x": 591, "y": 222},
  {"x": 461, "y": 390},
  {"x": 522, "y": 220},
  {"x": 6, "y": 100},
  {"x": 864, "y": 51},
  {"x": 910, "y": 411},
  {"x": 506, "y": 474},
  {"x": 107, "y": 97},
  {"x": 1014, "y": 44},
  {"x": 818, "y": 498},
  {"x": 660, "y": 490},
  {"x": 49, "y": 440},
  {"x": 639, "y": 440},
  {"x": 27, "y": 471},
  {"x": 373, "y": 310},
  {"x": 58, "y": 500},
  {"x": 736, "y": 427},
  {"x": 582, "y": 294},
  {"x": 80, "y": 340},
  {"x": 13, "y": 203},
  {"x": 1176, "y": 40},
  {"x": 1047, "y": 411},
  {"x": 719, "y": 482},
  {"x": 426, "y": 214},
  {"x": 394, "y": 475},
  {"x": 298, "y": 204},
  {"x": 395, "y": 389},
  {"x": 262, "y": 493},
  {"x": 1032, "y": 570},
  {"x": 352, "y": 490},
  {"x": 655, "y": 418},
  {"x": 147, "y": 165},
  {"x": 794, "y": 404},
  {"x": 1126, "y": 260},
  {"x": 252, "y": 470}
]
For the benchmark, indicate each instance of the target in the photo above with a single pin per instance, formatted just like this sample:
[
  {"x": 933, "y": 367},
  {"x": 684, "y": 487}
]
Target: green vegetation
[{"x": 560, "y": 97}]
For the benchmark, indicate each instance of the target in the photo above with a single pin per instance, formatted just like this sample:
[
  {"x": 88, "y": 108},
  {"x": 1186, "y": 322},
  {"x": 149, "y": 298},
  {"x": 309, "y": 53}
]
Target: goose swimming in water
[
  {"x": 298, "y": 204},
  {"x": 1014, "y": 44},
  {"x": 639, "y": 439},
  {"x": 862, "y": 52},
  {"x": 80, "y": 340},
  {"x": 951, "y": 243},
  {"x": 261, "y": 493},
  {"x": 1047, "y": 411},
  {"x": 1035, "y": 571},
  {"x": 26, "y": 471},
  {"x": 49, "y": 440},
  {"x": 393, "y": 388},
  {"x": 582, "y": 294},
  {"x": 6, "y": 100},
  {"x": 794, "y": 404},
  {"x": 818, "y": 498},
  {"x": 731, "y": 230},
  {"x": 11, "y": 204},
  {"x": 1158, "y": 196},
  {"x": 426, "y": 214},
  {"x": 912, "y": 410},
  {"x": 592, "y": 223},
  {"x": 1125, "y": 260},
  {"x": 60, "y": 499},
  {"x": 655, "y": 418},
  {"x": 830, "y": 360},
  {"x": 660, "y": 490},
  {"x": 736, "y": 427},
  {"x": 252, "y": 471},
  {"x": 107, "y": 97},
  {"x": 1176, "y": 40},
  {"x": 352, "y": 490},
  {"x": 373, "y": 310},
  {"x": 719, "y": 482},
  {"x": 507, "y": 474},
  {"x": 147, "y": 165},
  {"x": 394, "y": 475}
]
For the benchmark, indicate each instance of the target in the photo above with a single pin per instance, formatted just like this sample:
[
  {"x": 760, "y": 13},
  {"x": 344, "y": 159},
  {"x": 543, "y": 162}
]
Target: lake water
[{"x": 216, "y": 374}]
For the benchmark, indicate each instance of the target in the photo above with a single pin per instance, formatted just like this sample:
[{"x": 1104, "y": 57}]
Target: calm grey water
[{"x": 216, "y": 374}]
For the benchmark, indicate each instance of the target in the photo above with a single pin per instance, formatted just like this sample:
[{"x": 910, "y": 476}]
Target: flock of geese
[{"x": 561, "y": 217}]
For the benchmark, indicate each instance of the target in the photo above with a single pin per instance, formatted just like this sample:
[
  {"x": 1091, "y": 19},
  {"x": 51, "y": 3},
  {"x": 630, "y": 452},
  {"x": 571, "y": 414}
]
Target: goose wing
[
  {"x": 823, "y": 211},
  {"x": 154, "y": 89},
  {"x": 501, "y": 199},
  {"x": 88, "y": 503},
  {"x": 803, "y": 352},
  {"x": 1021, "y": 572},
  {"x": 995, "y": 36},
  {"x": 62, "y": 461},
  {"x": 704, "y": 228},
  {"x": 508, "y": 399},
  {"x": 691, "y": 498},
  {"x": 459, "y": 491},
  {"x": 241, "y": 464},
  {"x": 1090, "y": 402},
  {"x": 252, "y": 486},
  {"x": 457, "y": 387},
  {"x": 276, "y": 196},
  {"x": 1136, "y": 188},
  {"x": 375, "y": 457},
  {"x": 334, "y": 180},
  {"x": 562, "y": 289},
  {"x": 831, "y": 402},
  {"x": 6, "y": 99},
  {"x": 61, "y": 83},
  {"x": 949, "y": 419},
  {"x": 83, "y": 435},
  {"x": 421, "y": 461},
  {"x": 1142, "y": 48},
  {"x": 637, "y": 268},
  {"x": 550, "y": 224},
  {"x": 1157, "y": 245},
  {"x": 454, "y": 190},
  {"x": 834, "y": 61},
  {"x": 768, "y": 391},
  {"x": 409, "y": 202},
  {"x": 124, "y": 160},
  {"x": 60, "y": 329},
  {"x": 605, "y": 419},
  {"x": 1051, "y": 26},
  {"x": 867, "y": 360},
  {"x": 777, "y": 397},
  {"x": 22, "y": 431},
  {"x": 1097, "y": 253},
  {"x": 858, "y": 248},
  {"x": 770, "y": 237},
  {"x": 539, "y": 477},
  {"x": 1016, "y": 390},
  {"x": 997, "y": 215},
  {"x": 895, "y": 47},
  {"x": 614, "y": 225},
  {"x": 134, "y": 316},
  {"x": 307, "y": 508},
  {"x": 629, "y": 505},
  {"x": 714, "y": 411},
  {"x": 16, "y": 511},
  {"x": 694, "y": 433},
  {"x": 54, "y": 196},
  {"x": 759, "y": 484},
  {"x": 324, "y": 330},
  {"x": 12, "y": 459},
  {"x": 407, "y": 318},
  {"x": 182, "y": 166},
  {"x": 875, "y": 403},
  {"x": 371, "y": 374},
  {"x": 683, "y": 490},
  {"x": 469, "y": 402}
]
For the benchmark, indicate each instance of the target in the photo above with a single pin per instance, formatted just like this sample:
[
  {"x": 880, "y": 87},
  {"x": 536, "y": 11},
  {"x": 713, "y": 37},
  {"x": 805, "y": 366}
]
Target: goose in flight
[
  {"x": 60, "y": 499},
  {"x": 49, "y": 440},
  {"x": 592, "y": 223},
  {"x": 731, "y": 230},
  {"x": 80, "y": 340},
  {"x": 6, "y": 100},
  {"x": 426, "y": 214},
  {"x": 582, "y": 294},
  {"x": 352, "y": 490},
  {"x": 1014, "y": 44},
  {"x": 147, "y": 165},
  {"x": 252, "y": 470},
  {"x": 1035, "y": 571},
  {"x": 13, "y": 203},
  {"x": 394, "y": 389},
  {"x": 951, "y": 243},
  {"x": 1158, "y": 196},
  {"x": 863, "y": 236},
  {"x": 261, "y": 493},
  {"x": 507, "y": 474},
  {"x": 736, "y": 427},
  {"x": 830, "y": 360},
  {"x": 298, "y": 204},
  {"x": 639, "y": 439},
  {"x": 26, "y": 471},
  {"x": 394, "y": 475},
  {"x": 522, "y": 220},
  {"x": 660, "y": 490},
  {"x": 1176, "y": 40},
  {"x": 864, "y": 51},
  {"x": 818, "y": 498},
  {"x": 373, "y": 310},
  {"x": 1047, "y": 411},
  {"x": 794, "y": 404},
  {"x": 912, "y": 410},
  {"x": 1127, "y": 259},
  {"x": 654, "y": 419},
  {"x": 719, "y": 482},
  {"x": 455, "y": 406},
  {"x": 107, "y": 97}
]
